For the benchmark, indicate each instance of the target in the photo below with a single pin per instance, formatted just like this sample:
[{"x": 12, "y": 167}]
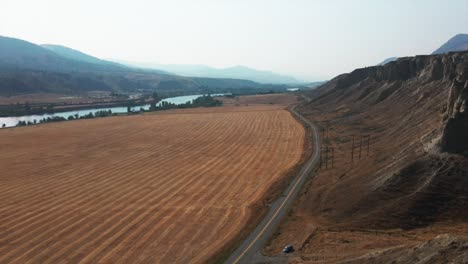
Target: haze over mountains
[
  {"x": 20, "y": 54},
  {"x": 236, "y": 72},
  {"x": 76, "y": 55},
  {"x": 31, "y": 68}
]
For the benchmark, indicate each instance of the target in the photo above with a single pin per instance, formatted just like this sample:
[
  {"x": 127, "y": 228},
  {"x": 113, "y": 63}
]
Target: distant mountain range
[
  {"x": 16, "y": 53},
  {"x": 457, "y": 43},
  {"x": 29, "y": 68},
  {"x": 236, "y": 72},
  {"x": 77, "y": 55}
]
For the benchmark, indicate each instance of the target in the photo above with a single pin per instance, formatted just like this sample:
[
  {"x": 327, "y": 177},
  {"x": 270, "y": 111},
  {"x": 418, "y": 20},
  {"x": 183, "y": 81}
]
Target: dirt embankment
[{"x": 413, "y": 178}]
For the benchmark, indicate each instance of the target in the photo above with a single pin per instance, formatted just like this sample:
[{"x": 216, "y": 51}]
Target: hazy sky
[{"x": 310, "y": 39}]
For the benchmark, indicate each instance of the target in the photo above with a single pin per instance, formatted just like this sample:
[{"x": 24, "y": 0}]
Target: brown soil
[
  {"x": 174, "y": 186},
  {"x": 439, "y": 250},
  {"x": 272, "y": 99},
  {"x": 410, "y": 187}
]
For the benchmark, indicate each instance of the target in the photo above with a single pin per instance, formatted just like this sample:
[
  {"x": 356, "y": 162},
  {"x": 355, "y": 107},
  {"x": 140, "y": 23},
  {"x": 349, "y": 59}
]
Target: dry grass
[
  {"x": 160, "y": 188},
  {"x": 271, "y": 99}
]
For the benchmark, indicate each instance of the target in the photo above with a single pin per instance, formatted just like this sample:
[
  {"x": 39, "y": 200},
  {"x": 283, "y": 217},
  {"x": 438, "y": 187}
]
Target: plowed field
[{"x": 156, "y": 188}]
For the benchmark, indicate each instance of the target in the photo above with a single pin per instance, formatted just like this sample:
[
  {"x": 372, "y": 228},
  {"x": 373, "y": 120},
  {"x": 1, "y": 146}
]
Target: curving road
[{"x": 249, "y": 250}]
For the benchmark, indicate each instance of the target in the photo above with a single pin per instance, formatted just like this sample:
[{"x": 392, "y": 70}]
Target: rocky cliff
[
  {"x": 408, "y": 77},
  {"x": 416, "y": 170},
  {"x": 455, "y": 129}
]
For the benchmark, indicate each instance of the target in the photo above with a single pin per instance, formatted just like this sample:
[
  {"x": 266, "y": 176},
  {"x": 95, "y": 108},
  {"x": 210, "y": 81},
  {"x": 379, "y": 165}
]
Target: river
[{"x": 12, "y": 121}]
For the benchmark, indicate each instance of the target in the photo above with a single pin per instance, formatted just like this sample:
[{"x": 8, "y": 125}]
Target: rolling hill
[
  {"x": 236, "y": 72},
  {"x": 20, "y": 54},
  {"x": 29, "y": 68},
  {"x": 76, "y": 55}
]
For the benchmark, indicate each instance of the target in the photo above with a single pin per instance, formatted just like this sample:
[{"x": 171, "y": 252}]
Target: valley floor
[{"x": 168, "y": 187}]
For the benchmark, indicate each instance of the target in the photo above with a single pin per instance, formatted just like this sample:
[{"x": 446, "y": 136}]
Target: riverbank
[{"x": 87, "y": 113}]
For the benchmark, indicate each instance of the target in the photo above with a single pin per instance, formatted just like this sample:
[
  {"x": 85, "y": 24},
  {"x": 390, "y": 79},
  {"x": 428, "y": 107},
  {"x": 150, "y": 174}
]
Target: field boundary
[
  {"x": 275, "y": 192},
  {"x": 277, "y": 211}
]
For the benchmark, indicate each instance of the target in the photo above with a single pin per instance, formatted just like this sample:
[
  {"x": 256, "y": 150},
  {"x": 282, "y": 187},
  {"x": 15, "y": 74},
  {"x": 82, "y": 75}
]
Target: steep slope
[
  {"x": 414, "y": 110},
  {"x": 404, "y": 184},
  {"x": 457, "y": 43}
]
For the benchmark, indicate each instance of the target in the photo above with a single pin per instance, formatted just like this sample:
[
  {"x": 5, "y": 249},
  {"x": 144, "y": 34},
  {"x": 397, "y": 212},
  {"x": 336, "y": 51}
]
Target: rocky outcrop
[
  {"x": 373, "y": 85},
  {"x": 415, "y": 111},
  {"x": 455, "y": 131}
]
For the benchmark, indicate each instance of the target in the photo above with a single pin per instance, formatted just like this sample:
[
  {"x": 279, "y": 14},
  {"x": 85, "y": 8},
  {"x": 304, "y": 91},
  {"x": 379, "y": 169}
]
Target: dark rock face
[
  {"x": 455, "y": 132},
  {"x": 455, "y": 137}
]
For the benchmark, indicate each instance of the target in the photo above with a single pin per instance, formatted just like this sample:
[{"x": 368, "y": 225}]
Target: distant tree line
[
  {"x": 202, "y": 101},
  {"x": 101, "y": 113}
]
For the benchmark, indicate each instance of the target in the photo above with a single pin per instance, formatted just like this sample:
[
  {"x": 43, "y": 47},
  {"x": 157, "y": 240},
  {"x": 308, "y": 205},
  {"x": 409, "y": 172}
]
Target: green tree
[
  {"x": 27, "y": 108},
  {"x": 50, "y": 108}
]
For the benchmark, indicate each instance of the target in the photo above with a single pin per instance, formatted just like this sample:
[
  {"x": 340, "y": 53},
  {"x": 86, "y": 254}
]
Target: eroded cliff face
[
  {"x": 412, "y": 78},
  {"x": 409, "y": 180},
  {"x": 455, "y": 120},
  {"x": 415, "y": 111}
]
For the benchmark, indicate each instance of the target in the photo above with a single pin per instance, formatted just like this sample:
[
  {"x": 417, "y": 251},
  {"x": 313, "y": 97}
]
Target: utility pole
[
  {"x": 327, "y": 153},
  {"x": 328, "y": 129},
  {"x": 360, "y": 147},
  {"x": 368, "y": 143},
  {"x": 352, "y": 151},
  {"x": 321, "y": 156},
  {"x": 323, "y": 134},
  {"x": 326, "y": 159}
]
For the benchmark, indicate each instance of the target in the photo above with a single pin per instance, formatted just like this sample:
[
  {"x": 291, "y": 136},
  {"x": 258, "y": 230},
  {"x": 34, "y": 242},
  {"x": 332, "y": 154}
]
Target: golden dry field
[{"x": 176, "y": 186}]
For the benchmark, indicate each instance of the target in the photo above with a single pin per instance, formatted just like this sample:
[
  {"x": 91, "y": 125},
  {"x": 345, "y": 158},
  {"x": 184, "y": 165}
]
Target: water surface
[{"x": 12, "y": 121}]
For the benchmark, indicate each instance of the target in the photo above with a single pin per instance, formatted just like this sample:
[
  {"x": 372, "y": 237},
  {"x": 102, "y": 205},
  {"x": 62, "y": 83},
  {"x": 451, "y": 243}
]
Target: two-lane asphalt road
[{"x": 251, "y": 246}]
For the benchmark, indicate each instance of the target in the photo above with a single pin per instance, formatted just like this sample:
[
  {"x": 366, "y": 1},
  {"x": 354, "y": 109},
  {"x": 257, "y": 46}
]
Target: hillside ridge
[{"x": 415, "y": 109}]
